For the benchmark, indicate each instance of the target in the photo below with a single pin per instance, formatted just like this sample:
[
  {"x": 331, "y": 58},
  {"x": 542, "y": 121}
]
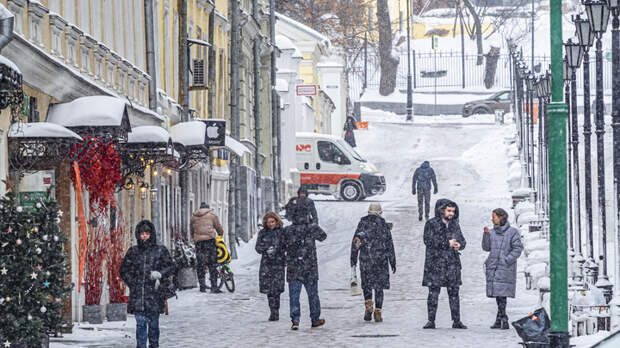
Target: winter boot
[
  {"x": 368, "y": 312},
  {"x": 295, "y": 326},
  {"x": 420, "y": 217},
  {"x": 505, "y": 325},
  {"x": 274, "y": 316},
  {"x": 498, "y": 323},
  {"x": 378, "y": 317},
  {"x": 429, "y": 325},
  {"x": 318, "y": 323},
  {"x": 216, "y": 291},
  {"x": 458, "y": 325}
]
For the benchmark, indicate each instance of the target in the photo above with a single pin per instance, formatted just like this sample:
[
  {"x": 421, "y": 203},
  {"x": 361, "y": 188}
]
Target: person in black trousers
[
  {"x": 270, "y": 244},
  {"x": 423, "y": 177}
]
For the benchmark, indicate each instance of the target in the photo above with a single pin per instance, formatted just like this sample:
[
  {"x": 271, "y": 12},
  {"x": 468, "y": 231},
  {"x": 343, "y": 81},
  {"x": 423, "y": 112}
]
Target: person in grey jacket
[{"x": 504, "y": 244}]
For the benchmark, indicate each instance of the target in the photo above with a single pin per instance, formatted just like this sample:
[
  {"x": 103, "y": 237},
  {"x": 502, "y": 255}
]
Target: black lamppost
[
  {"x": 598, "y": 14},
  {"x": 586, "y": 39},
  {"x": 614, "y": 7},
  {"x": 574, "y": 53},
  {"x": 547, "y": 90},
  {"x": 522, "y": 69},
  {"x": 540, "y": 94},
  {"x": 409, "y": 88},
  {"x": 566, "y": 75},
  {"x": 530, "y": 96}
]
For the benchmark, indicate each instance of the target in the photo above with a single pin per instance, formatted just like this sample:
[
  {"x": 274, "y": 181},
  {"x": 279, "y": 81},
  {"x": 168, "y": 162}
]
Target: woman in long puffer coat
[
  {"x": 504, "y": 244},
  {"x": 270, "y": 244},
  {"x": 373, "y": 244}
]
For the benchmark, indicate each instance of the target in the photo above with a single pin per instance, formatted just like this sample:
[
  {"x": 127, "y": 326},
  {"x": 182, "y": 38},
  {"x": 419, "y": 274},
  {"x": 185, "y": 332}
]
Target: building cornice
[
  {"x": 37, "y": 9},
  {"x": 57, "y": 21}
]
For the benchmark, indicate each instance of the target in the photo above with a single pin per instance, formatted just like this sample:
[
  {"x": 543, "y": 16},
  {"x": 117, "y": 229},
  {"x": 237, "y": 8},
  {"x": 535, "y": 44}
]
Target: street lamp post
[
  {"x": 598, "y": 14},
  {"x": 614, "y": 7},
  {"x": 586, "y": 39},
  {"x": 574, "y": 54},
  {"x": 540, "y": 94},
  {"x": 529, "y": 81},
  {"x": 547, "y": 86},
  {"x": 409, "y": 88}
]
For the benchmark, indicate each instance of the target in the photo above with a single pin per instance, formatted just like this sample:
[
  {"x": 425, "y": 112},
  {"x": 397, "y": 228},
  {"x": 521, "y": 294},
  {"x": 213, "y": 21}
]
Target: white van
[{"x": 329, "y": 165}]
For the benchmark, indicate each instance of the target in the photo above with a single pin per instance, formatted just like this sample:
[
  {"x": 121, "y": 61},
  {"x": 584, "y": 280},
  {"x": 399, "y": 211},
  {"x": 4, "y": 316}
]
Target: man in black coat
[
  {"x": 442, "y": 266},
  {"x": 307, "y": 213},
  {"x": 144, "y": 267},
  {"x": 422, "y": 179},
  {"x": 302, "y": 266}
]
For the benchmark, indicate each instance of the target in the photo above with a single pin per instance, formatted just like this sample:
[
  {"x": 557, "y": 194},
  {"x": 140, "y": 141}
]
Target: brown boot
[
  {"x": 378, "y": 317},
  {"x": 368, "y": 312}
]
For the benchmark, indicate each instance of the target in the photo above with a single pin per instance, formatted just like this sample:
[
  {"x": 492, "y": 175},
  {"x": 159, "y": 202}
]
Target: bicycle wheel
[
  {"x": 220, "y": 278},
  {"x": 229, "y": 280}
]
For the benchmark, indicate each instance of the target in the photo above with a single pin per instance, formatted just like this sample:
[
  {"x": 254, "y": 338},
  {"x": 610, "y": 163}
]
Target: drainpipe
[
  {"x": 257, "y": 125},
  {"x": 6, "y": 26},
  {"x": 184, "y": 97},
  {"x": 275, "y": 106},
  {"x": 234, "y": 197}
]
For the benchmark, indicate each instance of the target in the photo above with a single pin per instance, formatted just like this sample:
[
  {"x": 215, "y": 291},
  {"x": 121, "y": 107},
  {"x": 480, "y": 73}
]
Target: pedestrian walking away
[
  {"x": 423, "y": 178},
  {"x": 143, "y": 268},
  {"x": 349, "y": 126},
  {"x": 503, "y": 243},
  {"x": 204, "y": 225},
  {"x": 372, "y": 244},
  {"x": 442, "y": 265},
  {"x": 308, "y": 214},
  {"x": 270, "y": 244},
  {"x": 301, "y": 263}
]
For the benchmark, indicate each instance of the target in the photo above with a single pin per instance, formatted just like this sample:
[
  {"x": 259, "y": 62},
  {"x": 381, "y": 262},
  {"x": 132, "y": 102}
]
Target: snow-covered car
[
  {"x": 498, "y": 101},
  {"x": 329, "y": 165}
]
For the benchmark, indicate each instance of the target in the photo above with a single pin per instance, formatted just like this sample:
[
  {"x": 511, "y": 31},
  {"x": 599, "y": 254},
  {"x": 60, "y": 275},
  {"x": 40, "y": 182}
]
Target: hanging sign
[
  {"x": 435, "y": 42},
  {"x": 216, "y": 132},
  {"x": 307, "y": 90}
]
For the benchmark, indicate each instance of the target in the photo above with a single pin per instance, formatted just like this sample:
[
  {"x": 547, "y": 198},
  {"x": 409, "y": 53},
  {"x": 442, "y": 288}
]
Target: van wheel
[{"x": 350, "y": 191}]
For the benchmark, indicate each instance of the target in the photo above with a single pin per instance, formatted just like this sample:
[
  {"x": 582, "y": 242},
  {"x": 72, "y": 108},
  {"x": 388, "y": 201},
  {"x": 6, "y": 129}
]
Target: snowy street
[{"x": 471, "y": 170}]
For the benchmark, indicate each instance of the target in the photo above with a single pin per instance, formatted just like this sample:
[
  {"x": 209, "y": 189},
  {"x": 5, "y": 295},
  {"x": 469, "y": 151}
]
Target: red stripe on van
[{"x": 325, "y": 179}]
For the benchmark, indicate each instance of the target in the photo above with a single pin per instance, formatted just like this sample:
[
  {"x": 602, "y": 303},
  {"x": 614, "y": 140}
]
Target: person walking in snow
[
  {"x": 204, "y": 225},
  {"x": 349, "y": 126},
  {"x": 442, "y": 265},
  {"x": 142, "y": 269},
  {"x": 270, "y": 244},
  {"x": 309, "y": 209},
  {"x": 503, "y": 243},
  {"x": 301, "y": 263},
  {"x": 372, "y": 244},
  {"x": 423, "y": 177}
]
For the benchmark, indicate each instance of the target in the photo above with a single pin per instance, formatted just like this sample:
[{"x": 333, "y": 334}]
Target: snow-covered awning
[
  {"x": 148, "y": 134},
  {"x": 37, "y": 130},
  {"x": 192, "y": 133},
  {"x": 235, "y": 146},
  {"x": 93, "y": 115}
]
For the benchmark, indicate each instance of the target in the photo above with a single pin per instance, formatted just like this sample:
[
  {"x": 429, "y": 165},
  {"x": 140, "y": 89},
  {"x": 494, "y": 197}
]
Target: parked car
[{"x": 498, "y": 101}]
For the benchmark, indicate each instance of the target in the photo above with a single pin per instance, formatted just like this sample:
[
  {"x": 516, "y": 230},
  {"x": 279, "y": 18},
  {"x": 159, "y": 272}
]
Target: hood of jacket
[
  {"x": 202, "y": 212},
  {"x": 425, "y": 164},
  {"x": 152, "y": 240},
  {"x": 501, "y": 229},
  {"x": 441, "y": 204}
]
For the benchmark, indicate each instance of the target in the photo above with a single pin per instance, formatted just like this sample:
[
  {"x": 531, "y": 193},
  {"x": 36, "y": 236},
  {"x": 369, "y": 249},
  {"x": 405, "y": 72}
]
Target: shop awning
[
  {"x": 188, "y": 134},
  {"x": 237, "y": 147},
  {"x": 39, "y": 130},
  {"x": 93, "y": 116},
  {"x": 148, "y": 134}
]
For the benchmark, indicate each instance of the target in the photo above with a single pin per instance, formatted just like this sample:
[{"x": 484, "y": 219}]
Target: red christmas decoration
[
  {"x": 97, "y": 246},
  {"x": 100, "y": 170}
]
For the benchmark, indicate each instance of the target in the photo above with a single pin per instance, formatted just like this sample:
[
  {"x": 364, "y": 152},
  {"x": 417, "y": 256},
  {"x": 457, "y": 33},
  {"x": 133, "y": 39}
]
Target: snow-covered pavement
[{"x": 471, "y": 168}]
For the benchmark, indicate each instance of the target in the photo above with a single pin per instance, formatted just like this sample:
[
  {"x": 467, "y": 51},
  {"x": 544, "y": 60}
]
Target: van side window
[{"x": 328, "y": 152}]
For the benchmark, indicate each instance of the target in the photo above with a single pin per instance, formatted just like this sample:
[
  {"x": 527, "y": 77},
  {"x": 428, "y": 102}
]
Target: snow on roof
[
  {"x": 41, "y": 130},
  {"x": 236, "y": 146},
  {"x": 304, "y": 28},
  {"x": 284, "y": 43},
  {"x": 315, "y": 135},
  {"x": 103, "y": 111},
  {"x": 192, "y": 133},
  {"x": 148, "y": 134},
  {"x": 281, "y": 85},
  {"x": 9, "y": 63}
]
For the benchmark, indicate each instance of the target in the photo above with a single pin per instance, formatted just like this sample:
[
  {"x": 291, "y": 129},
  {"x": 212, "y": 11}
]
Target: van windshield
[{"x": 343, "y": 144}]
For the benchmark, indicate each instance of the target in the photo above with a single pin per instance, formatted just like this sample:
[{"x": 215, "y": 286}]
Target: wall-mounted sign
[
  {"x": 33, "y": 187},
  {"x": 216, "y": 132},
  {"x": 307, "y": 90},
  {"x": 435, "y": 42}
]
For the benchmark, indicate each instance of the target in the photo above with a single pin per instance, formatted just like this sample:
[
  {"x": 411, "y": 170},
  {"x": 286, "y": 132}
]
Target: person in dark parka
[
  {"x": 142, "y": 269},
  {"x": 423, "y": 177},
  {"x": 302, "y": 264},
  {"x": 270, "y": 244},
  {"x": 349, "y": 126},
  {"x": 308, "y": 214},
  {"x": 372, "y": 243},
  {"x": 442, "y": 265},
  {"x": 504, "y": 244}
]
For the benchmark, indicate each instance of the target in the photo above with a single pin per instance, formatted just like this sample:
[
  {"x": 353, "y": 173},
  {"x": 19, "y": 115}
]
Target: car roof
[{"x": 316, "y": 135}]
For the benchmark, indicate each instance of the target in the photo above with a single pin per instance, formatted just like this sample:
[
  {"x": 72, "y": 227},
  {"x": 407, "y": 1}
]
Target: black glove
[
  {"x": 413, "y": 192},
  {"x": 393, "y": 268},
  {"x": 435, "y": 191}
]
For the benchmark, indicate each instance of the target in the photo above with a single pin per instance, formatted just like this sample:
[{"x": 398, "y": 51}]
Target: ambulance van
[{"x": 329, "y": 165}]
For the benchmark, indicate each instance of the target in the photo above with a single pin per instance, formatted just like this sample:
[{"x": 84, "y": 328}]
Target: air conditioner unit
[{"x": 199, "y": 77}]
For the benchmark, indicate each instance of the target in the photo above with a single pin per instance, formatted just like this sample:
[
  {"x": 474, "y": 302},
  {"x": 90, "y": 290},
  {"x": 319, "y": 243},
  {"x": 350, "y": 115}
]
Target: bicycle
[{"x": 225, "y": 276}]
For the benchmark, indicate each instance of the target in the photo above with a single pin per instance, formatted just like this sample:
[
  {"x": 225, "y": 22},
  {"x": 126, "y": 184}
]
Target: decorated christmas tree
[{"x": 32, "y": 271}]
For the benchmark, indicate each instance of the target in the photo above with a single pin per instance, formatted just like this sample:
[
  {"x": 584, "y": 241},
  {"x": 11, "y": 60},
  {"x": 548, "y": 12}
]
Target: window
[{"x": 329, "y": 152}]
